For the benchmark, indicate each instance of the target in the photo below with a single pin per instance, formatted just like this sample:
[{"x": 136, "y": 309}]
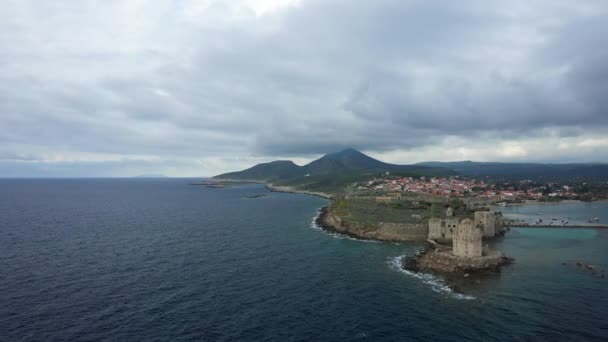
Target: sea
[
  {"x": 570, "y": 213},
  {"x": 163, "y": 260}
]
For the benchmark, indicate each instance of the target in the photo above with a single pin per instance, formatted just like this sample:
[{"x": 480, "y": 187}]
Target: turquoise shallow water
[
  {"x": 574, "y": 212},
  {"x": 162, "y": 260}
]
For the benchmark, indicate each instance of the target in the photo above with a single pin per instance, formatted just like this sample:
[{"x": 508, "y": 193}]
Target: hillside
[
  {"x": 533, "y": 171},
  {"x": 276, "y": 170},
  {"x": 329, "y": 173}
]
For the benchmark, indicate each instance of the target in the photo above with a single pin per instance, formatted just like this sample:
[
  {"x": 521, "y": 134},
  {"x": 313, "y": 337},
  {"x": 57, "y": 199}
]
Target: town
[{"x": 457, "y": 186}]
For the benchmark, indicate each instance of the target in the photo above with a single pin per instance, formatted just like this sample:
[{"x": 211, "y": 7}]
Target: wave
[
  {"x": 437, "y": 284},
  {"x": 314, "y": 225}
]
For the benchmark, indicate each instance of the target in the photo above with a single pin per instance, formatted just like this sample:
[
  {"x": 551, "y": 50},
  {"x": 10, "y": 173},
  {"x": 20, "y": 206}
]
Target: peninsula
[
  {"x": 452, "y": 207},
  {"x": 371, "y": 199}
]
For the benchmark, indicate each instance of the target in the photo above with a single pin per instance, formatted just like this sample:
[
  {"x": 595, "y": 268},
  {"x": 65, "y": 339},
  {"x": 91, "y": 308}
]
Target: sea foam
[
  {"x": 314, "y": 225},
  {"x": 437, "y": 284}
]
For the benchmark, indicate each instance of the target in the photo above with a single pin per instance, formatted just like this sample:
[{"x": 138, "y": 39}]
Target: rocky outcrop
[
  {"x": 591, "y": 269},
  {"x": 384, "y": 231},
  {"x": 442, "y": 260}
]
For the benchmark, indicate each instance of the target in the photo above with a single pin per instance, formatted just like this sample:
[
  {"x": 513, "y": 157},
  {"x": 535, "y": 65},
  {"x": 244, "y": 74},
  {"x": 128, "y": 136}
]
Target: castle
[
  {"x": 444, "y": 229},
  {"x": 466, "y": 254}
]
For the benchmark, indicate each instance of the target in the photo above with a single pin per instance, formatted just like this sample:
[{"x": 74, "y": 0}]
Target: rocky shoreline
[
  {"x": 387, "y": 232},
  {"x": 324, "y": 223},
  {"x": 459, "y": 274}
]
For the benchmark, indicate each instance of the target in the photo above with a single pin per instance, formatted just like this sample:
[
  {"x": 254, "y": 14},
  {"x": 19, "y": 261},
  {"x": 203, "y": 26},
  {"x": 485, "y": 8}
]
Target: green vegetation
[
  {"x": 336, "y": 183},
  {"x": 435, "y": 211},
  {"x": 367, "y": 213},
  {"x": 333, "y": 172}
]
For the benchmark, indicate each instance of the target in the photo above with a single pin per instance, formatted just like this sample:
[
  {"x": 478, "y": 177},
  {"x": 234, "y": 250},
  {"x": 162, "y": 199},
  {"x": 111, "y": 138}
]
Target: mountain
[
  {"x": 330, "y": 172},
  {"x": 526, "y": 170},
  {"x": 279, "y": 169},
  {"x": 349, "y": 159}
]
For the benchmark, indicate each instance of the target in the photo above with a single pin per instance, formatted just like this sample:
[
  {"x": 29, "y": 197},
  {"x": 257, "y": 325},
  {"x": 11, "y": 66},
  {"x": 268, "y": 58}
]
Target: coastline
[
  {"x": 321, "y": 221},
  {"x": 330, "y": 225},
  {"x": 326, "y": 221},
  {"x": 275, "y": 188},
  {"x": 293, "y": 190}
]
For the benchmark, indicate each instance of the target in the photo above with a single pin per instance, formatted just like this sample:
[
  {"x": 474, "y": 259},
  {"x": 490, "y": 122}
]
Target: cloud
[
  {"x": 9, "y": 156},
  {"x": 212, "y": 80}
]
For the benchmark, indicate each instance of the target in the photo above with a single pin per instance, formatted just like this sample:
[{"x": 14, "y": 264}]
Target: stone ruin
[
  {"x": 466, "y": 255},
  {"x": 443, "y": 229}
]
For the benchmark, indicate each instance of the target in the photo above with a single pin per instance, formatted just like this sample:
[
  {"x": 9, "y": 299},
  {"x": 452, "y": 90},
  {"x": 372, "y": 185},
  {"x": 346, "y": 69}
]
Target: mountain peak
[
  {"x": 347, "y": 159},
  {"x": 348, "y": 152}
]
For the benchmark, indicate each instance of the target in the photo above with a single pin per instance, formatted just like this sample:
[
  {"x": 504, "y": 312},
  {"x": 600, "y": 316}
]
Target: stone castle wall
[
  {"x": 442, "y": 229},
  {"x": 402, "y": 231}
]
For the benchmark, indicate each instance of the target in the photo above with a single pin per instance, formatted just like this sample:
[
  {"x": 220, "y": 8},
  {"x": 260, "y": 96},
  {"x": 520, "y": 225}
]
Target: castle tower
[
  {"x": 467, "y": 240},
  {"x": 487, "y": 220}
]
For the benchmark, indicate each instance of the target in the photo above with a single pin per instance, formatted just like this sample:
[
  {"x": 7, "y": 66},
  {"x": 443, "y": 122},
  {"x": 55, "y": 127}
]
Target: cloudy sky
[{"x": 199, "y": 87}]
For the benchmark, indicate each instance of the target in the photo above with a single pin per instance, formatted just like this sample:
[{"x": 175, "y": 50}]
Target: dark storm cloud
[
  {"x": 119, "y": 168},
  {"x": 407, "y": 74},
  {"x": 199, "y": 79}
]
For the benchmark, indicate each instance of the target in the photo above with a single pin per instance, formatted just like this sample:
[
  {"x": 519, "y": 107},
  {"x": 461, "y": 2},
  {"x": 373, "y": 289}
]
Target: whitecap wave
[
  {"x": 314, "y": 225},
  {"x": 437, "y": 284}
]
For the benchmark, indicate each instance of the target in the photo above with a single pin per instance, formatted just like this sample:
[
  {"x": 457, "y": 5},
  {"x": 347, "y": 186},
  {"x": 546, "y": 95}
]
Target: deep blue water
[{"x": 160, "y": 260}]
